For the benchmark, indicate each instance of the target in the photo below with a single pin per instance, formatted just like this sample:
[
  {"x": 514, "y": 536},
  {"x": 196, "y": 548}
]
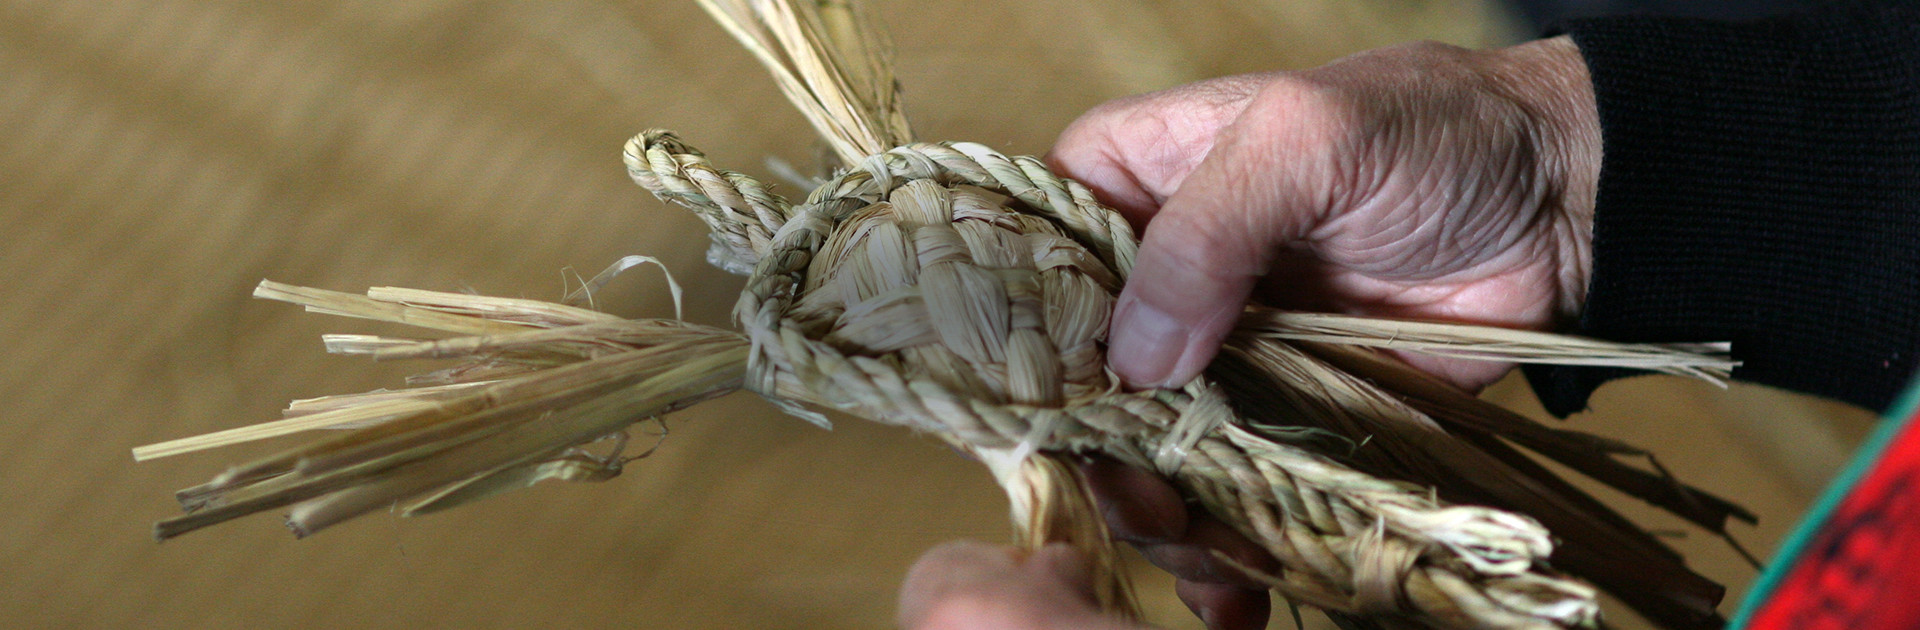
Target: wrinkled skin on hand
[{"x": 1421, "y": 181}]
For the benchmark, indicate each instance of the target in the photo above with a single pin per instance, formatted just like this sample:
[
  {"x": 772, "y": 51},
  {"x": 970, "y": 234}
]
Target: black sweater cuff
[{"x": 1760, "y": 185}]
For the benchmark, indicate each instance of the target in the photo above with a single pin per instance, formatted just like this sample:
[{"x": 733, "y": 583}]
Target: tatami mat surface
[{"x": 157, "y": 159}]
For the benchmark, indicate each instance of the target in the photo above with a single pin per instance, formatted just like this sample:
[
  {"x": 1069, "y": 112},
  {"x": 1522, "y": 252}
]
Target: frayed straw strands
[{"x": 954, "y": 290}]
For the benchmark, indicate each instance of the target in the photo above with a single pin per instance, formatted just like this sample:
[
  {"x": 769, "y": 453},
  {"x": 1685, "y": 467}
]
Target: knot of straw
[{"x": 955, "y": 290}]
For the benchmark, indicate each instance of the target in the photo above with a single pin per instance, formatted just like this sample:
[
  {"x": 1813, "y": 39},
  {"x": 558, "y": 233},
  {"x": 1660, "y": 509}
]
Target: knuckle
[
  {"x": 1298, "y": 129},
  {"x": 1207, "y": 245},
  {"x": 1309, "y": 106},
  {"x": 1160, "y": 137}
]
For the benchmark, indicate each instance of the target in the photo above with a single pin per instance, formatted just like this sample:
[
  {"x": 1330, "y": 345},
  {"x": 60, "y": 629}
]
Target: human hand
[
  {"x": 969, "y": 585},
  {"x": 1420, "y": 181}
]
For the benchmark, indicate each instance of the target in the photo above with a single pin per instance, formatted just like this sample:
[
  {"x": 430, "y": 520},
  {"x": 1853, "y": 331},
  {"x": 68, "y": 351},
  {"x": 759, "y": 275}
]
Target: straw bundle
[{"x": 958, "y": 291}]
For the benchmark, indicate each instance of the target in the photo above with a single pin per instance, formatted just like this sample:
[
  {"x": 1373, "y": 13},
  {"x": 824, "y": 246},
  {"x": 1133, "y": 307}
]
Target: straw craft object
[{"x": 963, "y": 293}]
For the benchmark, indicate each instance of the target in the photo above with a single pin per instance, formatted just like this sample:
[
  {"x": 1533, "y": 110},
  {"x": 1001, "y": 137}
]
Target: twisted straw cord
[
  {"x": 1330, "y": 526},
  {"x": 1347, "y": 540},
  {"x": 740, "y": 212},
  {"x": 1028, "y": 179},
  {"x": 743, "y": 213}
]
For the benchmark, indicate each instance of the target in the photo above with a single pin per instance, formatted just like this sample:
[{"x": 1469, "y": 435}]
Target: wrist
[{"x": 1548, "y": 79}]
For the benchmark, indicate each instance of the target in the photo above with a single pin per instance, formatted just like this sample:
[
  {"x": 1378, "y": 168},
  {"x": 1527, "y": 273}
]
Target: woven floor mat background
[{"x": 157, "y": 159}]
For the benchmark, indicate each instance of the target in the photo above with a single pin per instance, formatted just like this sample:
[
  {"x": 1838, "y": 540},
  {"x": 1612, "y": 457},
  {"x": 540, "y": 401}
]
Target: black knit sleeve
[{"x": 1760, "y": 185}]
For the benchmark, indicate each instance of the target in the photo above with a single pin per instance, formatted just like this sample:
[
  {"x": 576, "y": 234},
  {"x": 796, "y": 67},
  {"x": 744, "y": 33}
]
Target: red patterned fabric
[{"x": 1862, "y": 570}]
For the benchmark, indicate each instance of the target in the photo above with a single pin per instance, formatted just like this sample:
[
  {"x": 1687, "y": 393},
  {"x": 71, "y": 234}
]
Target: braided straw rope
[
  {"x": 952, "y": 289},
  {"x": 957, "y": 291}
]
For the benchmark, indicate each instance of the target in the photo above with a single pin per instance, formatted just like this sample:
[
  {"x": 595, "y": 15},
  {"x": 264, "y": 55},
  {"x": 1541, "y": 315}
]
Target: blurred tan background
[{"x": 157, "y": 159}]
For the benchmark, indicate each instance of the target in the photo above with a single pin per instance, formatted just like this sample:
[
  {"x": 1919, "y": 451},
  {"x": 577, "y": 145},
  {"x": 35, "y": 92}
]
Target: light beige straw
[{"x": 952, "y": 289}]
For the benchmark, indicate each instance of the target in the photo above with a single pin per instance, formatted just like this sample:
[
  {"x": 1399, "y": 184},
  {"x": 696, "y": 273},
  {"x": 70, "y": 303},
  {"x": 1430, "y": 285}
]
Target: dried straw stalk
[{"x": 961, "y": 292}]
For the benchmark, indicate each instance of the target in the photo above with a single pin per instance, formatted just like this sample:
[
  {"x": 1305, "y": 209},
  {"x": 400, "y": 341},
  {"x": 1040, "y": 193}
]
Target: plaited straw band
[
  {"x": 951, "y": 289},
  {"x": 963, "y": 293}
]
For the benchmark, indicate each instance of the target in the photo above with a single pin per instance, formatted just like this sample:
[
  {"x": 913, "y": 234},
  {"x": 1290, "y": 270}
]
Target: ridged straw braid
[{"x": 957, "y": 291}]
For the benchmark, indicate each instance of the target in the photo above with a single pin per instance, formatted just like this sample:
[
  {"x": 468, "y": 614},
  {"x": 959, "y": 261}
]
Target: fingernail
[{"x": 1145, "y": 342}]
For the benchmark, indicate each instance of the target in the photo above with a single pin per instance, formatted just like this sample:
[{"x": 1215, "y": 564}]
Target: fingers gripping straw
[{"x": 951, "y": 289}]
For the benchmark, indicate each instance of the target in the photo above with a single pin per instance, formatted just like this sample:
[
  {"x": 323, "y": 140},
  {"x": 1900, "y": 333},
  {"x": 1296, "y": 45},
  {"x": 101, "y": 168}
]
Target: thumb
[{"x": 1265, "y": 183}]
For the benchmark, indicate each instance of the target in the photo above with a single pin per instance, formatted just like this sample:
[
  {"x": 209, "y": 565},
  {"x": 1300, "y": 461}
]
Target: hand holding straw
[{"x": 952, "y": 289}]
